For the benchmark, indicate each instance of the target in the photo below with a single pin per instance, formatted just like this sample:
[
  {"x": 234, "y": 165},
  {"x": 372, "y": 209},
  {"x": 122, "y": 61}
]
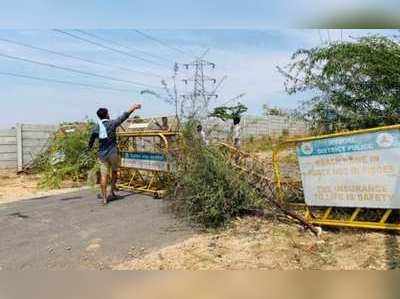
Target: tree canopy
[
  {"x": 226, "y": 113},
  {"x": 352, "y": 84}
]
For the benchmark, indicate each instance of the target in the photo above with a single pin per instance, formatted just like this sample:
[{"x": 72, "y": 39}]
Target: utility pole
[
  {"x": 195, "y": 104},
  {"x": 175, "y": 96}
]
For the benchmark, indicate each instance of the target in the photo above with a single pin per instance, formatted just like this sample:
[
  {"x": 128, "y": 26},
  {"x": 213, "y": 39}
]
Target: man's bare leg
[
  {"x": 114, "y": 177},
  {"x": 103, "y": 186}
]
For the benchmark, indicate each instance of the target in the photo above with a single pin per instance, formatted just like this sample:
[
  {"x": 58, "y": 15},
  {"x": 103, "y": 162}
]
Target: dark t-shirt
[{"x": 108, "y": 146}]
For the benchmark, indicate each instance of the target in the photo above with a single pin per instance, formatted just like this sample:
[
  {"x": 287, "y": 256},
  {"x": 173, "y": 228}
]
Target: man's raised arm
[{"x": 117, "y": 122}]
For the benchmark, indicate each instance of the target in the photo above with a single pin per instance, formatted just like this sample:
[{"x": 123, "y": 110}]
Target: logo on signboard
[
  {"x": 385, "y": 140},
  {"x": 307, "y": 148}
]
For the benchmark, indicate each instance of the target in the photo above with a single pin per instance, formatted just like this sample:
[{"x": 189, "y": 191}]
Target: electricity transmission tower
[{"x": 195, "y": 103}]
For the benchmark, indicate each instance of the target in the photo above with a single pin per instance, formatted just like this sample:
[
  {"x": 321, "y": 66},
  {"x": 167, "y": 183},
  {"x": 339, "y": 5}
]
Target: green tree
[
  {"x": 225, "y": 113},
  {"x": 353, "y": 84}
]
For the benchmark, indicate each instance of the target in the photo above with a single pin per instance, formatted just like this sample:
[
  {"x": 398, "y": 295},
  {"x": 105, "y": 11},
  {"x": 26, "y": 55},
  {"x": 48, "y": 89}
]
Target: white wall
[{"x": 19, "y": 145}]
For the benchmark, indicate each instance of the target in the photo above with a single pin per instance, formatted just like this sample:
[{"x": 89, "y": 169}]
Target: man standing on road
[{"x": 105, "y": 131}]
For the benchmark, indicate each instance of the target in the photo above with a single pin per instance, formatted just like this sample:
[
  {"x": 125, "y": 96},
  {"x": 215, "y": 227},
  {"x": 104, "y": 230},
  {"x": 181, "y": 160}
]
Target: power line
[
  {"x": 198, "y": 100},
  {"x": 233, "y": 99},
  {"x": 77, "y": 58},
  {"x": 66, "y": 82},
  {"x": 219, "y": 84},
  {"x": 107, "y": 47},
  {"x": 204, "y": 53},
  {"x": 75, "y": 70},
  {"x": 161, "y": 42},
  {"x": 121, "y": 45}
]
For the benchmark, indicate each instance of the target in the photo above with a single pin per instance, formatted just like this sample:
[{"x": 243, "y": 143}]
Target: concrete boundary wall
[
  {"x": 253, "y": 126},
  {"x": 19, "y": 145},
  {"x": 8, "y": 149}
]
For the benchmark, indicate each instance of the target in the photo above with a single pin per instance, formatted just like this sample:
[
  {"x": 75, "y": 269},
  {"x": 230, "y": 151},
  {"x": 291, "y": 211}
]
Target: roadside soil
[
  {"x": 14, "y": 187},
  {"x": 253, "y": 243}
]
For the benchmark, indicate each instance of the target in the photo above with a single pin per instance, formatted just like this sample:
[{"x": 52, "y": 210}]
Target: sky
[
  {"x": 246, "y": 41},
  {"x": 181, "y": 14},
  {"x": 247, "y": 57}
]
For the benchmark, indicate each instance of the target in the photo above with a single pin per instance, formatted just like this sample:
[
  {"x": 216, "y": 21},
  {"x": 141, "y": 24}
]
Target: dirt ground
[
  {"x": 15, "y": 187},
  {"x": 253, "y": 243}
]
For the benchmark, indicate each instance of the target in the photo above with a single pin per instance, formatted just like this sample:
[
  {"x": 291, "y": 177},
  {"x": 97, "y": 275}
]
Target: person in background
[
  {"x": 105, "y": 131},
  {"x": 236, "y": 132},
  {"x": 164, "y": 124},
  {"x": 202, "y": 134}
]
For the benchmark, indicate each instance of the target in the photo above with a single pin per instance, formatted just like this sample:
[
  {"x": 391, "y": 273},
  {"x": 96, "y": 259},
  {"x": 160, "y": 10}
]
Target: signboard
[
  {"x": 144, "y": 160},
  {"x": 139, "y": 125},
  {"x": 353, "y": 171}
]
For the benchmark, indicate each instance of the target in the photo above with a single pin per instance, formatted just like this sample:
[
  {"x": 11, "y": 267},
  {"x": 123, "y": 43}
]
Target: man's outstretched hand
[{"x": 134, "y": 107}]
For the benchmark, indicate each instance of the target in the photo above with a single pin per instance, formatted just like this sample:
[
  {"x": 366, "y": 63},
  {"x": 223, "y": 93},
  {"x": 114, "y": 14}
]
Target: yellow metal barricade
[
  {"x": 289, "y": 185},
  {"x": 146, "y": 160}
]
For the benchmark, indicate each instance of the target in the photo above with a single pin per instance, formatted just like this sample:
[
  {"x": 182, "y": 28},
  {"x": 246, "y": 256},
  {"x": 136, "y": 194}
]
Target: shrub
[
  {"x": 67, "y": 157},
  {"x": 210, "y": 191}
]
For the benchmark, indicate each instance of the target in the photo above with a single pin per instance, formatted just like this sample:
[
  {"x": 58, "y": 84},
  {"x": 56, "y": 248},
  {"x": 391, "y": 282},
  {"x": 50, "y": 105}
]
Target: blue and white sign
[
  {"x": 354, "y": 171},
  {"x": 144, "y": 160}
]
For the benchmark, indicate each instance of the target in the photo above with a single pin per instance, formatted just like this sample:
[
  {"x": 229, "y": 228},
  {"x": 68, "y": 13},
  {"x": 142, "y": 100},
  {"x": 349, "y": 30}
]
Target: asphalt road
[{"x": 74, "y": 231}]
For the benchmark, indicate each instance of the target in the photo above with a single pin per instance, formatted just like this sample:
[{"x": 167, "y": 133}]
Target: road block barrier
[
  {"x": 146, "y": 160},
  {"x": 349, "y": 179}
]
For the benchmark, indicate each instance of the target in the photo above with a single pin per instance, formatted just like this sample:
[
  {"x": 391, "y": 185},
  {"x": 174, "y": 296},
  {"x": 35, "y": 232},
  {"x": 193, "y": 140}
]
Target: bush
[
  {"x": 210, "y": 191},
  {"x": 67, "y": 157}
]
